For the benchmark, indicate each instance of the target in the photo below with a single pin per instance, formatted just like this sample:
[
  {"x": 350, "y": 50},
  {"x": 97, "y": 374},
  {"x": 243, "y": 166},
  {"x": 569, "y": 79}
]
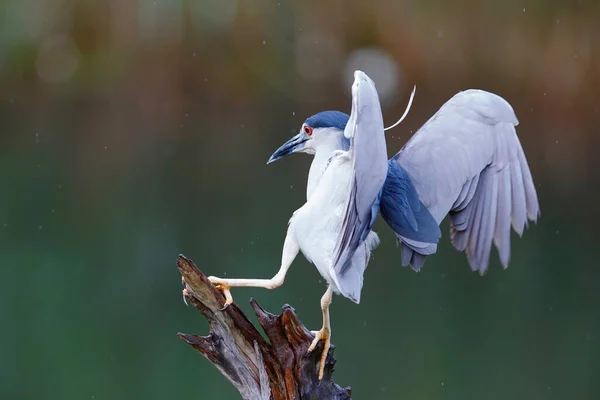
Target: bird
[{"x": 466, "y": 162}]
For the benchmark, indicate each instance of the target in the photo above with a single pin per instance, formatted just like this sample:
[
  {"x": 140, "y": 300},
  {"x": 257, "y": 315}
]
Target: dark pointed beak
[{"x": 293, "y": 145}]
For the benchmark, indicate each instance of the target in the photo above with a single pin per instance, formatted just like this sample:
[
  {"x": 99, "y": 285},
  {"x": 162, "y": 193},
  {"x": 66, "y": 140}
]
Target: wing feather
[
  {"x": 467, "y": 161},
  {"x": 368, "y": 155},
  {"x": 504, "y": 207}
]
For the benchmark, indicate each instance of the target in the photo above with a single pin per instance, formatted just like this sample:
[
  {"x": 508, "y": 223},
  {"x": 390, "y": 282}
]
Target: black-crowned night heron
[{"x": 465, "y": 162}]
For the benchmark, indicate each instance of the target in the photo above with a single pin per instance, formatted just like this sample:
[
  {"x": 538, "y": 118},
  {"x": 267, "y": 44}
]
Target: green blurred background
[{"x": 132, "y": 131}]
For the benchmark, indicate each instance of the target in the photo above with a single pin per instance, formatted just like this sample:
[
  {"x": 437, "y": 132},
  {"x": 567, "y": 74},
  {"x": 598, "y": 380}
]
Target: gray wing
[
  {"x": 467, "y": 161},
  {"x": 368, "y": 156}
]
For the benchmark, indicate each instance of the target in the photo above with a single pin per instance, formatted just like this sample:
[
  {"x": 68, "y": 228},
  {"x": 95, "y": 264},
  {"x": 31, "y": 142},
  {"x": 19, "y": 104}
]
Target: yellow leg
[
  {"x": 325, "y": 332},
  {"x": 290, "y": 251}
]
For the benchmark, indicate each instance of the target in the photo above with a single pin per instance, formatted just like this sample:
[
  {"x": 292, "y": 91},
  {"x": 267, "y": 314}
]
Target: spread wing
[
  {"x": 368, "y": 156},
  {"x": 467, "y": 162}
]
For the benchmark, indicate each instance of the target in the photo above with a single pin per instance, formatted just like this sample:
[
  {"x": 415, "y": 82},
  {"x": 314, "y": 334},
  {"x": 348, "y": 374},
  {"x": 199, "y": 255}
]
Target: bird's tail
[
  {"x": 414, "y": 253},
  {"x": 350, "y": 282}
]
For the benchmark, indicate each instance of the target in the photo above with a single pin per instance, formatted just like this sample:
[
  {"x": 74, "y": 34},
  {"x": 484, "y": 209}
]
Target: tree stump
[{"x": 278, "y": 369}]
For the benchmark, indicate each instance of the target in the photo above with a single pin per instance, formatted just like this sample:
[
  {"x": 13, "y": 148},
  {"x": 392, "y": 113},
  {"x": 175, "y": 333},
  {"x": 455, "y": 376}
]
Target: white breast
[{"x": 317, "y": 223}]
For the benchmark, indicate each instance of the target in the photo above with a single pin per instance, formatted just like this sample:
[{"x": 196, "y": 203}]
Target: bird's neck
[{"x": 320, "y": 162}]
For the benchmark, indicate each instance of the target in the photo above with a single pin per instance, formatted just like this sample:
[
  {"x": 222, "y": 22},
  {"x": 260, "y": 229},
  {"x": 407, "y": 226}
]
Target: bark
[{"x": 278, "y": 369}]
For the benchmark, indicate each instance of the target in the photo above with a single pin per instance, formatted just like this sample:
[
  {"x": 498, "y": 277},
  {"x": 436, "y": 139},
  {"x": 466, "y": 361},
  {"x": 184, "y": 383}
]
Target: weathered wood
[{"x": 278, "y": 369}]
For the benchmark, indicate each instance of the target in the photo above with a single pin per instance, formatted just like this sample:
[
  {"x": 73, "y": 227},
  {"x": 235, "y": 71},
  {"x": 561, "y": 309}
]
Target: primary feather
[
  {"x": 368, "y": 155},
  {"x": 467, "y": 162}
]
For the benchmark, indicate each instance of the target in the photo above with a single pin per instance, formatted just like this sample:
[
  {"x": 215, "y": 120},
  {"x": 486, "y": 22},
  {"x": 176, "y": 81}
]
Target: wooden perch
[{"x": 279, "y": 369}]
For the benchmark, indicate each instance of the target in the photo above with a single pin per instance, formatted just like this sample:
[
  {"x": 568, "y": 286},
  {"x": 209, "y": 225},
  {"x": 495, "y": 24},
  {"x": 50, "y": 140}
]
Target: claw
[
  {"x": 315, "y": 341},
  {"x": 325, "y": 335},
  {"x": 185, "y": 293},
  {"x": 224, "y": 288}
]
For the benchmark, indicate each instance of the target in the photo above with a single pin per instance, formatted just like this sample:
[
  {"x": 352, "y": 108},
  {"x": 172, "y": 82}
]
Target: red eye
[{"x": 307, "y": 130}]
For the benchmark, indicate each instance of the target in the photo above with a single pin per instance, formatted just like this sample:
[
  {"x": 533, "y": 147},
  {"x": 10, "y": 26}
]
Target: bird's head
[{"x": 323, "y": 131}]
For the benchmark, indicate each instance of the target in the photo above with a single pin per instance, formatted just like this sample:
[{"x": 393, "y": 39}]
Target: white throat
[{"x": 323, "y": 152}]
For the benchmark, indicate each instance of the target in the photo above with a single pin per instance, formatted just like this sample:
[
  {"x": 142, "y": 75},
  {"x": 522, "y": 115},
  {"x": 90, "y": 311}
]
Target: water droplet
[
  {"x": 264, "y": 42},
  {"x": 523, "y": 9},
  {"x": 293, "y": 112},
  {"x": 365, "y": 323},
  {"x": 40, "y": 227},
  {"x": 194, "y": 54},
  {"x": 442, "y": 383}
]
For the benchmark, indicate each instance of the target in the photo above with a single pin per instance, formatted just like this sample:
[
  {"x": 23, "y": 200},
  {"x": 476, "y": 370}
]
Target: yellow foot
[
  {"x": 224, "y": 287},
  {"x": 325, "y": 335}
]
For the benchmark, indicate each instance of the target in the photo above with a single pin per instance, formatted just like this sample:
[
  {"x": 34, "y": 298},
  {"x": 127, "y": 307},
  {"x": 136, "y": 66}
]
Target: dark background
[{"x": 132, "y": 131}]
